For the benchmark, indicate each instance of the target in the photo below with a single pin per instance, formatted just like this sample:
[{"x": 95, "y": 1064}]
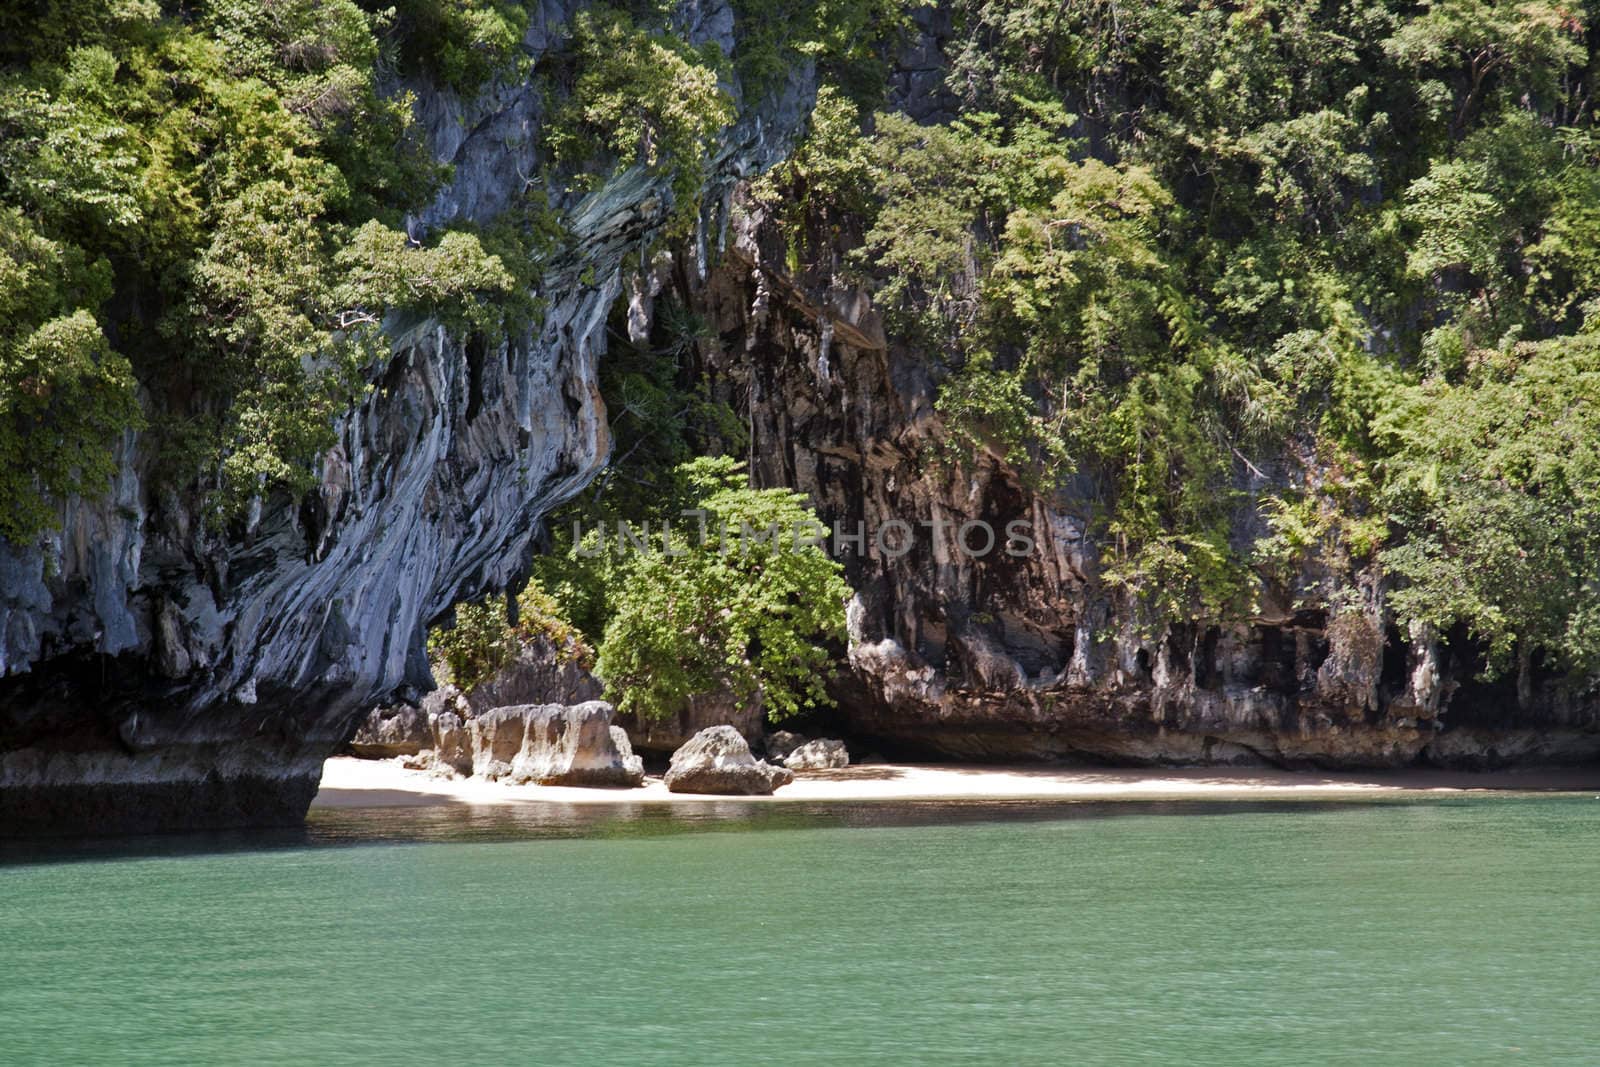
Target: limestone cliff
[
  {"x": 1034, "y": 657},
  {"x": 154, "y": 676}
]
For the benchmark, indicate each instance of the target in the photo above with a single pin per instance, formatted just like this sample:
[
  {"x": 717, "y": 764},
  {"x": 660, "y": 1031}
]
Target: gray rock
[
  {"x": 665, "y": 736},
  {"x": 551, "y": 744},
  {"x": 452, "y": 744},
  {"x": 823, "y": 754},
  {"x": 392, "y": 731},
  {"x": 717, "y": 760},
  {"x": 634, "y": 764},
  {"x": 539, "y": 673},
  {"x": 781, "y": 742}
]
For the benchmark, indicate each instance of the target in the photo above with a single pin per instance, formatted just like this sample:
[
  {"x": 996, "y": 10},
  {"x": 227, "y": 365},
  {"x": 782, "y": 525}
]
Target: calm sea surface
[{"x": 1459, "y": 931}]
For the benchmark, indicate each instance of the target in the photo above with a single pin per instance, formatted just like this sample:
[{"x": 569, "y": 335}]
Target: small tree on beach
[{"x": 743, "y": 609}]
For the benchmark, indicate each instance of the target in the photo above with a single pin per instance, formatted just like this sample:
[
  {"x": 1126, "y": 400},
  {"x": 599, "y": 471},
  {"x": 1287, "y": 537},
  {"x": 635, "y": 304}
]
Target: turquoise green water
[{"x": 1458, "y": 932}]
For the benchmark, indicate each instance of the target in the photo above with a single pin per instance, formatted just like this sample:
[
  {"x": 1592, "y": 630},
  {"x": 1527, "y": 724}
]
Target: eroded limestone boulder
[
  {"x": 539, "y": 672},
  {"x": 717, "y": 760},
  {"x": 823, "y": 754},
  {"x": 551, "y": 744},
  {"x": 452, "y": 744},
  {"x": 392, "y": 731},
  {"x": 634, "y": 764}
]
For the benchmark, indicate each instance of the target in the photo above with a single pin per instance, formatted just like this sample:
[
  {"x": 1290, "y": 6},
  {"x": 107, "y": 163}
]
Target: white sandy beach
[{"x": 348, "y": 782}]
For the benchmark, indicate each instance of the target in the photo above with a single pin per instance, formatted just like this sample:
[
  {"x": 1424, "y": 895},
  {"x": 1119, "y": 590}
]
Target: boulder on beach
[
  {"x": 388, "y": 732},
  {"x": 823, "y": 754},
  {"x": 663, "y": 736},
  {"x": 781, "y": 742},
  {"x": 452, "y": 744},
  {"x": 634, "y": 764},
  {"x": 552, "y": 744},
  {"x": 717, "y": 760}
]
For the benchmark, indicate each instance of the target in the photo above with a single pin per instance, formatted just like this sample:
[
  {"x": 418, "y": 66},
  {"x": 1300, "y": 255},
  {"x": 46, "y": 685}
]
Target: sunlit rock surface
[
  {"x": 717, "y": 760},
  {"x": 552, "y": 744},
  {"x": 823, "y": 754}
]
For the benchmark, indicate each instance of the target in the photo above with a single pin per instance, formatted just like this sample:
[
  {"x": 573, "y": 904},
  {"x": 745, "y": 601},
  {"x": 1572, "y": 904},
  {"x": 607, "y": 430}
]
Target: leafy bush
[
  {"x": 483, "y": 639},
  {"x": 460, "y": 43},
  {"x": 641, "y": 96},
  {"x": 65, "y": 395},
  {"x": 733, "y": 614},
  {"x": 847, "y": 40},
  {"x": 1494, "y": 485},
  {"x": 722, "y": 605}
]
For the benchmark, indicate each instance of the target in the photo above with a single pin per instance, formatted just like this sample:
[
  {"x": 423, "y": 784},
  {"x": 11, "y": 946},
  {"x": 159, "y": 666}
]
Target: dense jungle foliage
[
  {"x": 687, "y": 580},
  {"x": 1195, "y": 253},
  {"x": 203, "y": 210},
  {"x": 202, "y": 233}
]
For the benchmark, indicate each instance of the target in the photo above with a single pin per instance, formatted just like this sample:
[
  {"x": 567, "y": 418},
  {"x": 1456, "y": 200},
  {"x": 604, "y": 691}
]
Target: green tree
[
  {"x": 216, "y": 195},
  {"x": 1493, "y": 487},
  {"x": 461, "y": 43},
  {"x": 644, "y": 97},
  {"x": 482, "y": 638},
  {"x": 1484, "y": 45},
  {"x": 734, "y": 614}
]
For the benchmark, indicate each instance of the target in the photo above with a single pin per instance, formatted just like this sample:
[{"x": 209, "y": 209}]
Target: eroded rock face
[
  {"x": 543, "y": 744},
  {"x": 823, "y": 754},
  {"x": 387, "y": 732},
  {"x": 205, "y": 679},
  {"x": 717, "y": 760},
  {"x": 539, "y": 673},
  {"x": 633, "y": 764},
  {"x": 1033, "y": 657},
  {"x": 664, "y": 736},
  {"x": 452, "y": 745},
  {"x": 551, "y": 744}
]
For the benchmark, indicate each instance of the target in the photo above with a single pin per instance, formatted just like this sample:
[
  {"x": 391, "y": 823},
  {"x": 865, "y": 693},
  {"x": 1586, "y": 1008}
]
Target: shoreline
[{"x": 348, "y": 782}]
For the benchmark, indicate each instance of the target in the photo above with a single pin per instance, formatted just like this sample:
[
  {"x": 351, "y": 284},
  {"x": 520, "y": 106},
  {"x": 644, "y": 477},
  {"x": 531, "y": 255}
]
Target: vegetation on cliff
[
  {"x": 641, "y": 97},
  {"x": 706, "y": 589},
  {"x": 1334, "y": 261},
  {"x": 484, "y": 636},
  {"x": 203, "y": 205},
  {"x": 712, "y": 588},
  {"x": 204, "y": 213},
  {"x": 1337, "y": 262}
]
